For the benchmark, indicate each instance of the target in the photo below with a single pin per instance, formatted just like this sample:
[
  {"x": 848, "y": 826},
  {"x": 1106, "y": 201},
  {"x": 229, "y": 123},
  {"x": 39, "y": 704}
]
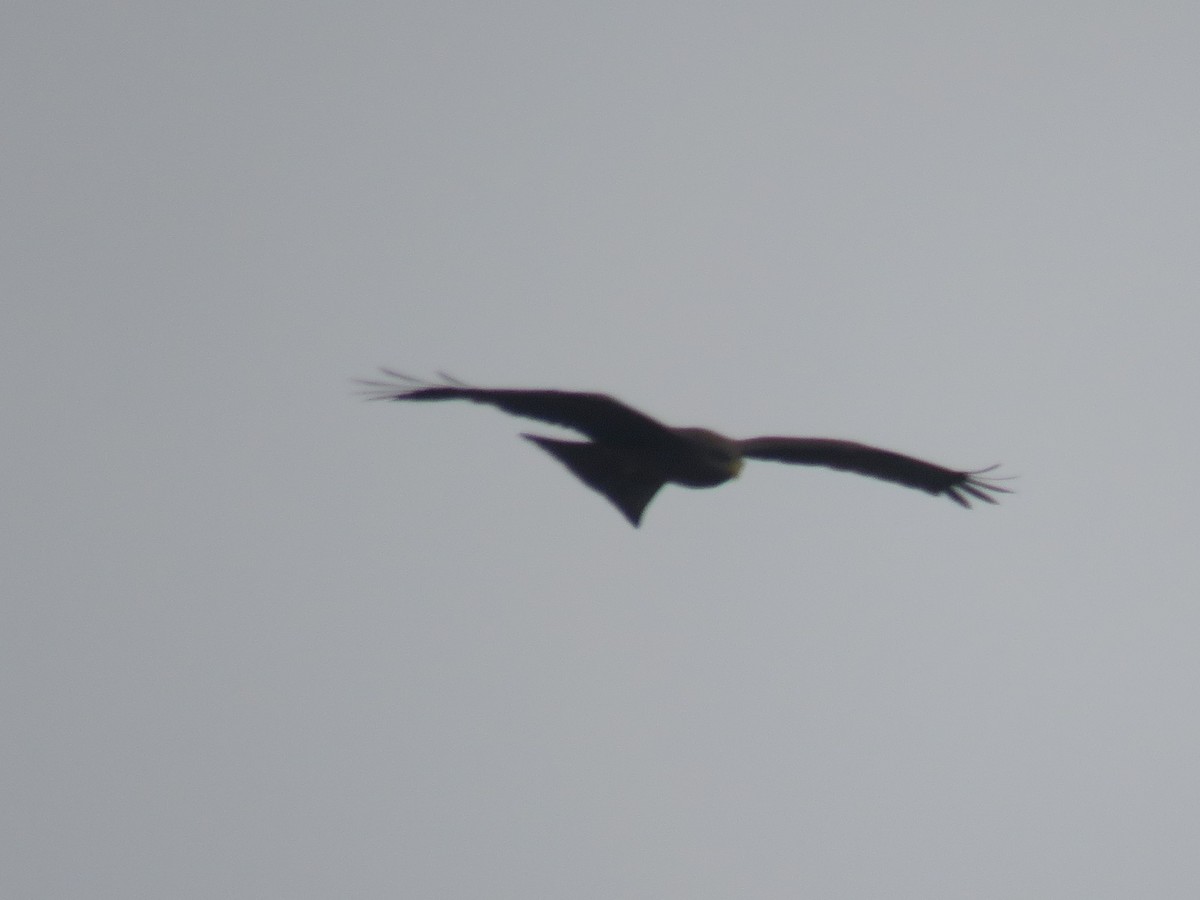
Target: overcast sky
[{"x": 262, "y": 639}]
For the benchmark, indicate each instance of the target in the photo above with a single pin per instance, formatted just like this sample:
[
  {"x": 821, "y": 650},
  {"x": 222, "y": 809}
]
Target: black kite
[{"x": 630, "y": 455}]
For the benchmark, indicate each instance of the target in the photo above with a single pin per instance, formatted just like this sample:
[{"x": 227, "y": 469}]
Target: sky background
[{"x": 262, "y": 639}]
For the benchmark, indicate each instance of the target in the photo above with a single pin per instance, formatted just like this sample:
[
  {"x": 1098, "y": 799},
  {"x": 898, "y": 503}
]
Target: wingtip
[
  {"x": 972, "y": 484},
  {"x": 408, "y": 387}
]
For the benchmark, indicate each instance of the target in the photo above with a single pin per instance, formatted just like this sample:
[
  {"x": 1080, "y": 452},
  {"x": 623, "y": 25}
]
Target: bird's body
[{"x": 630, "y": 455}]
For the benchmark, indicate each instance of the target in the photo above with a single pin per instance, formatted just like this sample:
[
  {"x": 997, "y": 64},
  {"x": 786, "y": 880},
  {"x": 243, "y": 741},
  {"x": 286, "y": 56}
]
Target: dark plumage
[{"x": 630, "y": 456}]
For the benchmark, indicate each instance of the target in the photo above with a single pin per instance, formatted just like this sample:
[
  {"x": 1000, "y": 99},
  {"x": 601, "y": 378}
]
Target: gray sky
[{"x": 264, "y": 640}]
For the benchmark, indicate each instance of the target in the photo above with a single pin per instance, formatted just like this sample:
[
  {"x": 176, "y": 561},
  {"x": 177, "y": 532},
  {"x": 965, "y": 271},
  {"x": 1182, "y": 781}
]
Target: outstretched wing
[
  {"x": 850, "y": 456},
  {"x": 600, "y": 417}
]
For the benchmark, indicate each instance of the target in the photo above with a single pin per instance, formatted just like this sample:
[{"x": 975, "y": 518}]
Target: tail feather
[{"x": 608, "y": 471}]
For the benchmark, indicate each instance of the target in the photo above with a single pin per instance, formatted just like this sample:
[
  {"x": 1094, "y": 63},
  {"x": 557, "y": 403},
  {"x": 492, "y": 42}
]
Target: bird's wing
[
  {"x": 600, "y": 417},
  {"x": 896, "y": 467}
]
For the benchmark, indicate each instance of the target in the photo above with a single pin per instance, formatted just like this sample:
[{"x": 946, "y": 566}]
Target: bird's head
[{"x": 719, "y": 453}]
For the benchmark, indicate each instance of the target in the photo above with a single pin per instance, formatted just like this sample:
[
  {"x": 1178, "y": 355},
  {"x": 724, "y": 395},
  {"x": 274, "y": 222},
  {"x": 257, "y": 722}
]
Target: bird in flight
[{"x": 629, "y": 455}]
